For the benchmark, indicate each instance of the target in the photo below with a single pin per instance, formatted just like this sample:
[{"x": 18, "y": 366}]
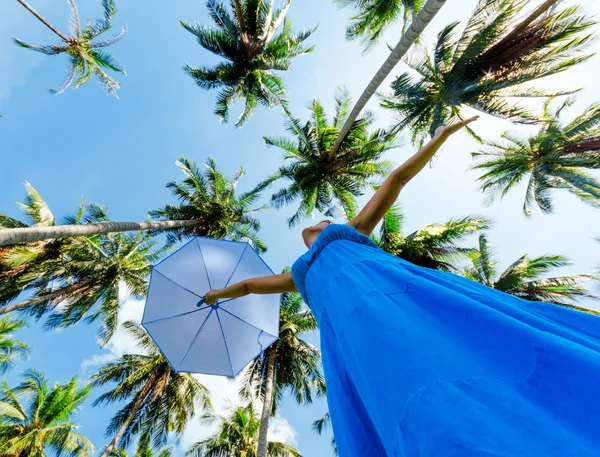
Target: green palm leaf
[
  {"x": 43, "y": 425},
  {"x": 245, "y": 35},
  {"x": 527, "y": 277},
  {"x": 373, "y": 17},
  {"x": 237, "y": 434},
  {"x": 433, "y": 246},
  {"x": 319, "y": 181},
  {"x": 209, "y": 197},
  {"x": 84, "y": 49},
  {"x": 487, "y": 66},
  {"x": 558, "y": 157}
]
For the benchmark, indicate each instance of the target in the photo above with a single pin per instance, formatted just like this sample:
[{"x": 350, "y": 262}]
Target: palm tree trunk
[
  {"x": 134, "y": 410},
  {"x": 28, "y": 234},
  {"x": 426, "y": 14},
  {"x": 267, "y": 405},
  {"x": 533, "y": 16},
  {"x": 44, "y": 21},
  {"x": 65, "y": 291}
]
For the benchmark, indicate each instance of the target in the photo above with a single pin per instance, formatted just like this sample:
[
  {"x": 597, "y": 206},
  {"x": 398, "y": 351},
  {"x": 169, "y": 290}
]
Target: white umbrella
[{"x": 197, "y": 338}]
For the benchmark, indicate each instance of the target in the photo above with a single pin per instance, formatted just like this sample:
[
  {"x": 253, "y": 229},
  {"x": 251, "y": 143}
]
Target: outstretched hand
[
  {"x": 210, "y": 297},
  {"x": 447, "y": 130}
]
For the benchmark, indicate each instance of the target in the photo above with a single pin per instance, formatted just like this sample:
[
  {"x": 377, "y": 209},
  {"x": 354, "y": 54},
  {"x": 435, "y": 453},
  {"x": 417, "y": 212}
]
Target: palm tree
[
  {"x": 291, "y": 364},
  {"x": 11, "y": 350},
  {"x": 236, "y": 436},
  {"x": 84, "y": 47},
  {"x": 85, "y": 281},
  {"x": 373, "y": 17},
  {"x": 555, "y": 158},
  {"x": 491, "y": 60},
  {"x": 246, "y": 38},
  {"x": 524, "y": 278},
  {"x": 319, "y": 179},
  {"x": 433, "y": 246},
  {"x": 44, "y": 424},
  {"x": 160, "y": 401},
  {"x": 208, "y": 198},
  {"x": 209, "y": 207}
]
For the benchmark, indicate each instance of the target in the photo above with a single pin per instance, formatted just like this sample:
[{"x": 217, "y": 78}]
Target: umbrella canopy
[{"x": 220, "y": 339}]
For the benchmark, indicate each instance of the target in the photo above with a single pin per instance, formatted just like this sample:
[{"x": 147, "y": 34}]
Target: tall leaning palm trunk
[
  {"x": 207, "y": 206},
  {"x": 267, "y": 407},
  {"x": 427, "y": 13},
  {"x": 29, "y": 234}
]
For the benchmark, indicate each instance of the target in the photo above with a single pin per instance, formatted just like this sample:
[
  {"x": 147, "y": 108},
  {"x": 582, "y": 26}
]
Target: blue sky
[{"x": 120, "y": 153}]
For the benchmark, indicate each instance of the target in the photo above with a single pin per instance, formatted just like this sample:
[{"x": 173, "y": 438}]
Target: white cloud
[{"x": 280, "y": 430}]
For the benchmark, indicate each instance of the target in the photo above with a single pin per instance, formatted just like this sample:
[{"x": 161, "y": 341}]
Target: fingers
[{"x": 468, "y": 121}]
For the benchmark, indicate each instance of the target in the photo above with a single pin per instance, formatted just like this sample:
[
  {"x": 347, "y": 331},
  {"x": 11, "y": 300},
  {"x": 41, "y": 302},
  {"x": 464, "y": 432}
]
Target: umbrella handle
[{"x": 201, "y": 301}]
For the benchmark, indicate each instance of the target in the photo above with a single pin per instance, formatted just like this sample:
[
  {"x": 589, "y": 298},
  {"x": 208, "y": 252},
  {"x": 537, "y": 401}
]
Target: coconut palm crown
[
  {"x": 236, "y": 435},
  {"x": 492, "y": 59},
  {"x": 245, "y": 35},
  {"x": 374, "y": 17},
  {"x": 84, "y": 47},
  {"x": 210, "y": 198},
  {"x": 319, "y": 180},
  {"x": 525, "y": 277},
  {"x": 557, "y": 157},
  {"x": 433, "y": 246},
  {"x": 42, "y": 426}
]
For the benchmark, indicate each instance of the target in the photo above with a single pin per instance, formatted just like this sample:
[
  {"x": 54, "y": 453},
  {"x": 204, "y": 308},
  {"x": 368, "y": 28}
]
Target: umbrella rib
[
  {"x": 187, "y": 312},
  {"x": 247, "y": 323},
  {"x": 177, "y": 315},
  {"x": 225, "y": 341},
  {"x": 204, "y": 263},
  {"x": 237, "y": 265},
  {"x": 195, "y": 338},
  {"x": 179, "y": 285}
]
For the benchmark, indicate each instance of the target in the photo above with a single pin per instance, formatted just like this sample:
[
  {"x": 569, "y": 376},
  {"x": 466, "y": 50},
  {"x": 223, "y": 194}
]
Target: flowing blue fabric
[{"x": 425, "y": 363}]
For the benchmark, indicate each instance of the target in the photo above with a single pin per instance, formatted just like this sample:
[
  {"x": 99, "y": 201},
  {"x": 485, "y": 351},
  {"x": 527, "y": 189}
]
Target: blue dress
[{"x": 425, "y": 363}]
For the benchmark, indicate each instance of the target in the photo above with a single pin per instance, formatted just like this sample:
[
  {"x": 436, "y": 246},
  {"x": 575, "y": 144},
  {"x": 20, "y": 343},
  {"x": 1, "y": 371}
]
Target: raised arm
[
  {"x": 387, "y": 194},
  {"x": 276, "y": 284}
]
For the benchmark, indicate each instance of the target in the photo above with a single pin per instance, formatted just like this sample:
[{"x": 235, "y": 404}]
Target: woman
[{"x": 421, "y": 362}]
